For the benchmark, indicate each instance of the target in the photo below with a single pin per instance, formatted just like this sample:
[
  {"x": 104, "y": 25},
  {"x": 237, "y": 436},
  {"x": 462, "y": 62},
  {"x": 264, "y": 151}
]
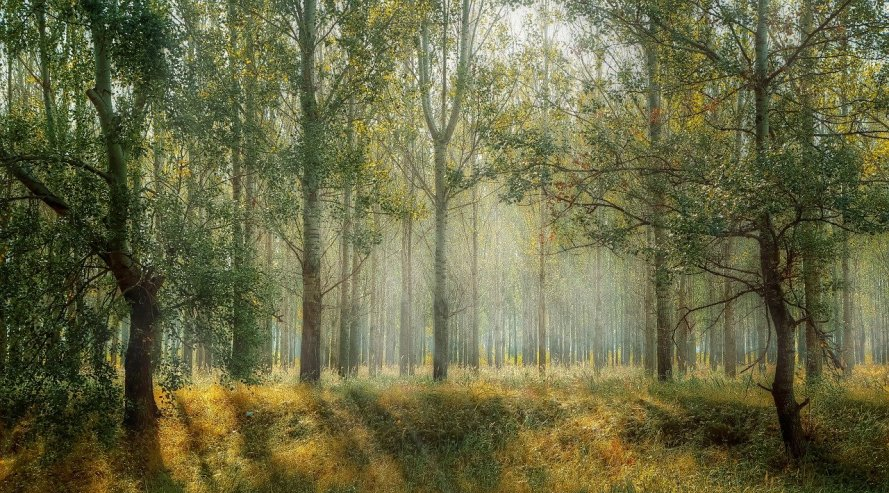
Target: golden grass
[{"x": 515, "y": 431}]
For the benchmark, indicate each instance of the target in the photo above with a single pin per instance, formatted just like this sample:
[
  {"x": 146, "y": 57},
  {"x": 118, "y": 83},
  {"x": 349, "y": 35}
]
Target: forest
[{"x": 444, "y": 246}]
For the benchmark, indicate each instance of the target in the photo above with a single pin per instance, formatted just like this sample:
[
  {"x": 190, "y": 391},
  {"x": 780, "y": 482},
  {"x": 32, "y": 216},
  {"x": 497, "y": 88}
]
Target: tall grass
[{"x": 571, "y": 430}]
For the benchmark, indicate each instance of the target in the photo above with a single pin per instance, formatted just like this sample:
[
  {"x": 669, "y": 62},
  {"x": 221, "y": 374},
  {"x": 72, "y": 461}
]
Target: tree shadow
[{"x": 451, "y": 436}]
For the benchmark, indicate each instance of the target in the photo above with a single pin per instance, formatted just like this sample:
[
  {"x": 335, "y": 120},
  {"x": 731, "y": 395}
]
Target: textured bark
[
  {"x": 310, "y": 350},
  {"x": 441, "y": 133},
  {"x": 769, "y": 259},
  {"x": 440, "y": 306},
  {"x": 649, "y": 347},
  {"x": 140, "y": 409},
  {"x": 661, "y": 273}
]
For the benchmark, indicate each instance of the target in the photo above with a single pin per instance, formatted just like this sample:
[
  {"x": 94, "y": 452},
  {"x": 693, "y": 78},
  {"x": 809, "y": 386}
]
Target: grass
[{"x": 571, "y": 431}]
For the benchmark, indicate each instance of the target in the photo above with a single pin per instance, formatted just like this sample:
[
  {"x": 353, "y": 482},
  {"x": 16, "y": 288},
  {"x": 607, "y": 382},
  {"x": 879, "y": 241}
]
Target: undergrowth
[{"x": 571, "y": 431}]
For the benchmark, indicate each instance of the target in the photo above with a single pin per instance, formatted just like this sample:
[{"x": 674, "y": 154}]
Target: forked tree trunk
[{"x": 769, "y": 259}]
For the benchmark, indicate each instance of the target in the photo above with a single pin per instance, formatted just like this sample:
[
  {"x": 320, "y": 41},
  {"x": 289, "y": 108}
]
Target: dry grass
[{"x": 571, "y": 431}]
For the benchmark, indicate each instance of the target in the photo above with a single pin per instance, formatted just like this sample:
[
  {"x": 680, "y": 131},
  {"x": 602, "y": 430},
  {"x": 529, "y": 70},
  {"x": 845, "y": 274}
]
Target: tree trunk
[
  {"x": 649, "y": 356},
  {"x": 661, "y": 272},
  {"x": 682, "y": 334},
  {"x": 811, "y": 262},
  {"x": 140, "y": 409},
  {"x": 45, "y": 78},
  {"x": 354, "y": 318},
  {"x": 473, "y": 324},
  {"x": 729, "y": 348},
  {"x": 848, "y": 332},
  {"x": 310, "y": 350},
  {"x": 812, "y": 287},
  {"x": 440, "y": 306},
  {"x": 345, "y": 283},
  {"x": 541, "y": 286},
  {"x": 405, "y": 331},
  {"x": 375, "y": 326},
  {"x": 769, "y": 258}
]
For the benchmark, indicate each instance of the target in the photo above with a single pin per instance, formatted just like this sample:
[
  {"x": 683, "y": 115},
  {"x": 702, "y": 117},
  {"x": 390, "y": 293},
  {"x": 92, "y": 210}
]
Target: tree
[
  {"x": 137, "y": 282},
  {"x": 441, "y": 126}
]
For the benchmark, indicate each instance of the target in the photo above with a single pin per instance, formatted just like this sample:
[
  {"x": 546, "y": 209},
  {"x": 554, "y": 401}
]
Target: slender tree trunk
[
  {"x": 769, "y": 258},
  {"x": 729, "y": 348},
  {"x": 441, "y": 134},
  {"x": 375, "y": 328},
  {"x": 682, "y": 333},
  {"x": 811, "y": 263},
  {"x": 848, "y": 332},
  {"x": 661, "y": 272},
  {"x": 649, "y": 355},
  {"x": 45, "y": 77},
  {"x": 406, "y": 347},
  {"x": 310, "y": 350},
  {"x": 440, "y": 306},
  {"x": 345, "y": 282},
  {"x": 138, "y": 286},
  {"x": 812, "y": 287},
  {"x": 355, "y": 318},
  {"x": 473, "y": 327},
  {"x": 541, "y": 286}
]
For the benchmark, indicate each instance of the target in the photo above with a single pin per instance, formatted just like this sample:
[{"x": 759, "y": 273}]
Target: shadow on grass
[{"x": 451, "y": 436}]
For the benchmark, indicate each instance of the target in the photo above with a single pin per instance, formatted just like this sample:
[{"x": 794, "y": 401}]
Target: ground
[{"x": 571, "y": 431}]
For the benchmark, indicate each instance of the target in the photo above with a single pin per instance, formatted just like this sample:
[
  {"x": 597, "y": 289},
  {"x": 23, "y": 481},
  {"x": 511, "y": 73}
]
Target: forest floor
[{"x": 510, "y": 432}]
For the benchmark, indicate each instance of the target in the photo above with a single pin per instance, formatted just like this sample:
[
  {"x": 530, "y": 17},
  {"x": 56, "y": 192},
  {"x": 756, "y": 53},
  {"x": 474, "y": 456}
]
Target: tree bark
[
  {"x": 354, "y": 317},
  {"x": 661, "y": 272},
  {"x": 848, "y": 329},
  {"x": 473, "y": 324},
  {"x": 310, "y": 350},
  {"x": 729, "y": 347},
  {"x": 440, "y": 294},
  {"x": 811, "y": 263},
  {"x": 769, "y": 259},
  {"x": 343, "y": 363},
  {"x": 541, "y": 285},
  {"x": 405, "y": 331}
]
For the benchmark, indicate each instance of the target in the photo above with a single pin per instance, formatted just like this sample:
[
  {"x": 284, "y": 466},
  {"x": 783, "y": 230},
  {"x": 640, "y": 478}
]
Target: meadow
[{"x": 514, "y": 431}]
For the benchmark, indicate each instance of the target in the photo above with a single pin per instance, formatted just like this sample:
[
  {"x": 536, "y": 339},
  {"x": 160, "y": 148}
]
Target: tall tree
[{"x": 441, "y": 124}]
